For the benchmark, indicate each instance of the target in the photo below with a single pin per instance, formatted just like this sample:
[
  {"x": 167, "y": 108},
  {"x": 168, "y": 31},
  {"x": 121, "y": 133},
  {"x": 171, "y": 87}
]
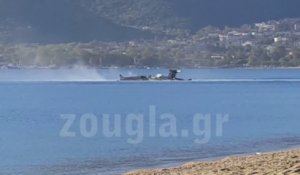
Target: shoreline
[
  {"x": 275, "y": 162},
  {"x": 146, "y": 68}
]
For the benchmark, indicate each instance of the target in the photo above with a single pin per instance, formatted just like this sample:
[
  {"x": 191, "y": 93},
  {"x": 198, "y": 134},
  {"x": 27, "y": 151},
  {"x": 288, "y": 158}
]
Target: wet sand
[{"x": 278, "y": 163}]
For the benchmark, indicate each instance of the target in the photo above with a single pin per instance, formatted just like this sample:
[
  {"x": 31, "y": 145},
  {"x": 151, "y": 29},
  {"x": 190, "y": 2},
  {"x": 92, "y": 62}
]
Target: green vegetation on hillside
[{"x": 152, "y": 15}]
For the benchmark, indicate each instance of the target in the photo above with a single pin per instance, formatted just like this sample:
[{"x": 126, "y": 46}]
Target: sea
[{"x": 87, "y": 122}]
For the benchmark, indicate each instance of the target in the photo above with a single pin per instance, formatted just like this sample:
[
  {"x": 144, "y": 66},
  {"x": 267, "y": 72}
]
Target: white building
[
  {"x": 263, "y": 27},
  {"x": 280, "y": 40},
  {"x": 297, "y": 27}
]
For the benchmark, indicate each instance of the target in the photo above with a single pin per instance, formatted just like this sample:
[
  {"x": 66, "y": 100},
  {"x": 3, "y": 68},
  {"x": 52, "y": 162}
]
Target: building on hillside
[
  {"x": 297, "y": 27},
  {"x": 282, "y": 40},
  {"x": 264, "y": 27}
]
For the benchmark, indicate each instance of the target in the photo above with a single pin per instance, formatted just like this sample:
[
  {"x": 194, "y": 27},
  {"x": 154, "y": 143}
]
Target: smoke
[{"x": 78, "y": 74}]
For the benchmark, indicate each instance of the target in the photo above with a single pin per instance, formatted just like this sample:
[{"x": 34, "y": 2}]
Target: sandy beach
[{"x": 278, "y": 163}]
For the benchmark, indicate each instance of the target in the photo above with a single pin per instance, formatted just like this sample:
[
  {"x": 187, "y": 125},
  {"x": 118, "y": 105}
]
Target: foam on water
[
  {"x": 247, "y": 80},
  {"x": 61, "y": 75}
]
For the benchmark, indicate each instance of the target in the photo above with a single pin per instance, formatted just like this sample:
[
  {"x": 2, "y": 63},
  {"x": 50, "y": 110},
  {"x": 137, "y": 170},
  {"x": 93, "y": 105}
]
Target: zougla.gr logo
[{"x": 133, "y": 126}]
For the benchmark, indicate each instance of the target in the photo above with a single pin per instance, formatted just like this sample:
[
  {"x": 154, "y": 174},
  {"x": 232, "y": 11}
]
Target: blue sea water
[{"x": 262, "y": 106}]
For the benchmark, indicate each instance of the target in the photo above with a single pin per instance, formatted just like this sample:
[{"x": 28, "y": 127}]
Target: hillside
[
  {"x": 234, "y": 13},
  {"x": 153, "y": 14},
  {"x": 56, "y": 21},
  {"x": 193, "y": 14}
]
